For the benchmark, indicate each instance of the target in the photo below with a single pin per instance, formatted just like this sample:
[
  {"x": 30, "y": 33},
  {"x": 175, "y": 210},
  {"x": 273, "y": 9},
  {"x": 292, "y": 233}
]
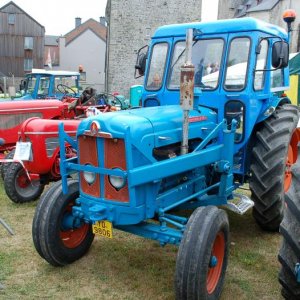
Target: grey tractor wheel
[
  {"x": 271, "y": 156},
  {"x": 18, "y": 187},
  {"x": 202, "y": 256},
  {"x": 289, "y": 253},
  {"x": 60, "y": 246},
  {"x": 5, "y": 166}
]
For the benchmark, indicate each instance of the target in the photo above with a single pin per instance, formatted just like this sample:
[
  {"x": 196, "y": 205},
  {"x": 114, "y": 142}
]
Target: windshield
[
  {"x": 68, "y": 81},
  {"x": 206, "y": 57},
  {"x": 31, "y": 81},
  {"x": 44, "y": 85}
]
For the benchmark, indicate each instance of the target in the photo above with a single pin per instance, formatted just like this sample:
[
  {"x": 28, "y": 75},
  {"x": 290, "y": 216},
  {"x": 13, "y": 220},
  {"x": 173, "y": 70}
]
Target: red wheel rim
[
  {"x": 290, "y": 160},
  {"x": 72, "y": 238},
  {"x": 22, "y": 180},
  {"x": 214, "y": 272}
]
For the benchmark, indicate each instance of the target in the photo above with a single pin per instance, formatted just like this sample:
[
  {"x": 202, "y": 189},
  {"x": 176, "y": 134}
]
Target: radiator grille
[
  {"x": 115, "y": 158},
  {"x": 88, "y": 155}
]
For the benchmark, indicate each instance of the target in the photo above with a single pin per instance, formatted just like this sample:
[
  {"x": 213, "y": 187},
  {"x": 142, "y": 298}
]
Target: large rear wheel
[
  {"x": 272, "y": 157},
  {"x": 58, "y": 236},
  {"x": 202, "y": 256},
  {"x": 289, "y": 254},
  {"x": 18, "y": 187}
]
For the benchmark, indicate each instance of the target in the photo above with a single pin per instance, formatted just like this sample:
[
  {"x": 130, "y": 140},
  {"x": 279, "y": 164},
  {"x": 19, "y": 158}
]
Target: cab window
[
  {"x": 206, "y": 57},
  {"x": 157, "y": 66},
  {"x": 237, "y": 64},
  {"x": 261, "y": 64},
  {"x": 44, "y": 85}
]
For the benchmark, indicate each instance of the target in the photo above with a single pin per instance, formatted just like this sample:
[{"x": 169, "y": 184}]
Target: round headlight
[
  {"x": 89, "y": 177},
  {"x": 117, "y": 182}
]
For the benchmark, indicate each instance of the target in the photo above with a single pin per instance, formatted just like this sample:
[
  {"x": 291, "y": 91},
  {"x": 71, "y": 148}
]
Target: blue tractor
[
  {"x": 43, "y": 84},
  {"x": 138, "y": 169}
]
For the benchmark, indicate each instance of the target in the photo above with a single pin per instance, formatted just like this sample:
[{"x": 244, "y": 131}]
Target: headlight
[
  {"x": 89, "y": 177},
  {"x": 117, "y": 182}
]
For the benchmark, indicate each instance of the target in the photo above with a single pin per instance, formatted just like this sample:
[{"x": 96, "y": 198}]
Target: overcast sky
[{"x": 58, "y": 16}]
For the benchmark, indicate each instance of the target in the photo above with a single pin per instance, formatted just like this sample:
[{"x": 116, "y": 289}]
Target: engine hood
[{"x": 161, "y": 123}]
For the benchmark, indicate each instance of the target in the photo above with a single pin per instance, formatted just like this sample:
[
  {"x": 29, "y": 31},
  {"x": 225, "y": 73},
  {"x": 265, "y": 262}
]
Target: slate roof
[
  {"x": 252, "y": 6},
  {"x": 90, "y": 24}
]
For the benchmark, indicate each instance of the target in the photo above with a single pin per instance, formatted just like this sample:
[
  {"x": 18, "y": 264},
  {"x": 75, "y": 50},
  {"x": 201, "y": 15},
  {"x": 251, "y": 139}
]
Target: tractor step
[{"x": 240, "y": 203}]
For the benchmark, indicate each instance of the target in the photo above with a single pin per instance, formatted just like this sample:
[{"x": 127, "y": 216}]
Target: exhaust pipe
[{"x": 187, "y": 74}]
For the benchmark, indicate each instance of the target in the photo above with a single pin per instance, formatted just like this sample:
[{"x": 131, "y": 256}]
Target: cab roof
[
  {"x": 54, "y": 72},
  {"x": 221, "y": 26}
]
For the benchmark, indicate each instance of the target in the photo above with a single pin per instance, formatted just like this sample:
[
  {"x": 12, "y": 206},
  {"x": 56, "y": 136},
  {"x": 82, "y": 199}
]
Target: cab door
[{"x": 156, "y": 73}]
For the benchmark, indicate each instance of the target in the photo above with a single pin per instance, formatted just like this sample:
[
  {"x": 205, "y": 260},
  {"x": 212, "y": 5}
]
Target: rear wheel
[
  {"x": 58, "y": 237},
  {"x": 272, "y": 156},
  {"x": 5, "y": 166},
  {"x": 203, "y": 255},
  {"x": 18, "y": 187},
  {"x": 289, "y": 254}
]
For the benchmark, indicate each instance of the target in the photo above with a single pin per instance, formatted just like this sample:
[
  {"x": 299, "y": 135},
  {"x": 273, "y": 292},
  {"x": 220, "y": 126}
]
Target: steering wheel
[
  {"x": 64, "y": 89},
  {"x": 115, "y": 99}
]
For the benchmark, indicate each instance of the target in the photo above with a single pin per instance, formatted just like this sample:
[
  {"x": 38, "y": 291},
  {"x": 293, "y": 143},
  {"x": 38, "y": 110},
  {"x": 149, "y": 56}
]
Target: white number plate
[{"x": 23, "y": 151}]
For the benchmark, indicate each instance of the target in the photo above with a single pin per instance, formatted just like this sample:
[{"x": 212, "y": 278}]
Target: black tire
[
  {"x": 268, "y": 165},
  {"x": 5, "y": 166},
  {"x": 206, "y": 231},
  {"x": 289, "y": 253},
  {"x": 47, "y": 227},
  {"x": 18, "y": 187}
]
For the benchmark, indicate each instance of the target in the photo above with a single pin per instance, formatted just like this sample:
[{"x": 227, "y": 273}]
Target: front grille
[
  {"x": 115, "y": 158},
  {"x": 89, "y": 155}
]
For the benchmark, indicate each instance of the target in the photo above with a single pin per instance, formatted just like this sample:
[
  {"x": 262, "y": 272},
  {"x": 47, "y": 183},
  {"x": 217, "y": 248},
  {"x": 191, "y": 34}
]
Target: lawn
[{"x": 128, "y": 267}]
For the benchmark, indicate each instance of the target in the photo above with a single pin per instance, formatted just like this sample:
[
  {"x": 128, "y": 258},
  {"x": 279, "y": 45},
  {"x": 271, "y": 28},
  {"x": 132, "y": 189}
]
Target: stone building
[
  {"x": 131, "y": 24},
  {"x": 267, "y": 10}
]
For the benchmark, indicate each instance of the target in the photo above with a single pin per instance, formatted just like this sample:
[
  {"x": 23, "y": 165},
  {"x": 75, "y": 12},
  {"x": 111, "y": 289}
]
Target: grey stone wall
[{"x": 131, "y": 24}]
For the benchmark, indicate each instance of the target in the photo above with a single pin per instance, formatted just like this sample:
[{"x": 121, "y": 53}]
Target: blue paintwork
[{"x": 205, "y": 176}]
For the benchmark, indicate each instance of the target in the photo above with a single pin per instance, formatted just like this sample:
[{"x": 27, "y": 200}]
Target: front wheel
[
  {"x": 6, "y": 165},
  {"x": 18, "y": 187},
  {"x": 202, "y": 256},
  {"x": 58, "y": 236}
]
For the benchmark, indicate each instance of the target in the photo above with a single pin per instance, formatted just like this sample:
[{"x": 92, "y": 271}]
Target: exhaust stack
[{"x": 187, "y": 74}]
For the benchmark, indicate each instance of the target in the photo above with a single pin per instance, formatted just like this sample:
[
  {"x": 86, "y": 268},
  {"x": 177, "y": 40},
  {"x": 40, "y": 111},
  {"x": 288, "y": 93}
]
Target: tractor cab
[
  {"x": 42, "y": 84},
  {"x": 240, "y": 70}
]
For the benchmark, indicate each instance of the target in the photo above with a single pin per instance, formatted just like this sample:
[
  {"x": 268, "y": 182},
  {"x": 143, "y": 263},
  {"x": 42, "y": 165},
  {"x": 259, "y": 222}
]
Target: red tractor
[{"x": 37, "y": 156}]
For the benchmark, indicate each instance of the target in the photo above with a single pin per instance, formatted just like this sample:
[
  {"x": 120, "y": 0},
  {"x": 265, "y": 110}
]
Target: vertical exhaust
[{"x": 187, "y": 74}]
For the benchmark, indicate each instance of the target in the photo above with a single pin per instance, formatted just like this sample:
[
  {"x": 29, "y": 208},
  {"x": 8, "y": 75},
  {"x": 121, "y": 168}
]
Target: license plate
[
  {"x": 23, "y": 151},
  {"x": 103, "y": 228}
]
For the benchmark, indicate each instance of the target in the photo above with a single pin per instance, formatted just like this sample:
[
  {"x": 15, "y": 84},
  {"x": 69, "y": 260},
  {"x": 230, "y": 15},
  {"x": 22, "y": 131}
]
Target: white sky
[{"x": 58, "y": 16}]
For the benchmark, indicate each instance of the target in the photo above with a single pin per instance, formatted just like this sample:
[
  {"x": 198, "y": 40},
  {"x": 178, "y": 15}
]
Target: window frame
[
  {"x": 30, "y": 69},
  {"x": 247, "y": 70},
  {"x": 149, "y": 67},
  {"x": 221, "y": 63},
  {"x": 11, "y": 19},
  {"x": 28, "y": 47}
]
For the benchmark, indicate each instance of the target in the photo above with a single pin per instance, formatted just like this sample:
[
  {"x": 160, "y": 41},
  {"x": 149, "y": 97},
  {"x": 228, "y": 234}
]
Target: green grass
[{"x": 128, "y": 267}]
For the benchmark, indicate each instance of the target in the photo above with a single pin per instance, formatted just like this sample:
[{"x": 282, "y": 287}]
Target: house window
[
  {"x": 28, "y": 43},
  {"x": 28, "y": 64},
  {"x": 11, "y": 19}
]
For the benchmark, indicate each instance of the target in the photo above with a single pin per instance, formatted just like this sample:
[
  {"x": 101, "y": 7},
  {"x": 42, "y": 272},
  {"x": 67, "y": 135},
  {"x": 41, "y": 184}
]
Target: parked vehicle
[
  {"x": 37, "y": 155},
  {"x": 42, "y": 84},
  {"x": 137, "y": 168}
]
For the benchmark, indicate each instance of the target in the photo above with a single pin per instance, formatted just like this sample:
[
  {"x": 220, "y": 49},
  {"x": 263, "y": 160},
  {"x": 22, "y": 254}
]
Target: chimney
[
  {"x": 103, "y": 21},
  {"x": 77, "y": 22}
]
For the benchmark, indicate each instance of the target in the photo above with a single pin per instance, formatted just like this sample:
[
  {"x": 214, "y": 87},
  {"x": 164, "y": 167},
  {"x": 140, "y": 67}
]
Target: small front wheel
[
  {"x": 18, "y": 187},
  {"x": 58, "y": 236},
  {"x": 203, "y": 254}
]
